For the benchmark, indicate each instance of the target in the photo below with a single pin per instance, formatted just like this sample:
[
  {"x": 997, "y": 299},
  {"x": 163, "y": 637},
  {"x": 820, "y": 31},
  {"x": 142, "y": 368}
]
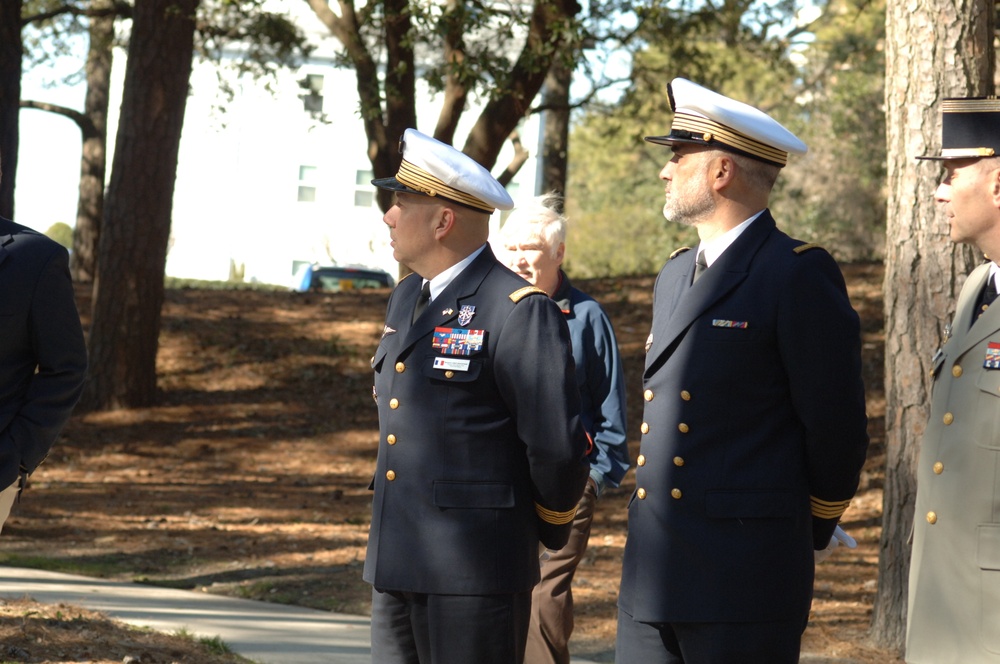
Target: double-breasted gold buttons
[
  {"x": 390, "y": 475},
  {"x": 648, "y": 395},
  {"x": 678, "y": 461},
  {"x": 685, "y": 395},
  {"x": 938, "y": 468},
  {"x": 931, "y": 518},
  {"x": 391, "y": 439},
  {"x": 956, "y": 371},
  {"x": 400, "y": 367},
  {"x": 683, "y": 428},
  {"x": 641, "y": 461},
  {"x": 640, "y": 493},
  {"x": 449, "y": 374},
  {"x": 394, "y": 403},
  {"x": 644, "y": 428},
  {"x": 948, "y": 419},
  {"x": 676, "y": 494}
]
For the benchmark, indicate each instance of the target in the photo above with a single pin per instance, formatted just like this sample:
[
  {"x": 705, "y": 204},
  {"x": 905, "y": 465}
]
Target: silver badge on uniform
[
  {"x": 466, "y": 313},
  {"x": 649, "y": 341}
]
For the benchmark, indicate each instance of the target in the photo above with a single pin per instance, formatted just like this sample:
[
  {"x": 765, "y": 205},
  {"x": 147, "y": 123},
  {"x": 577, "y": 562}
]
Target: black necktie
[
  {"x": 422, "y": 300},
  {"x": 700, "y": 265},
  {"x": 986, "y": 299}
]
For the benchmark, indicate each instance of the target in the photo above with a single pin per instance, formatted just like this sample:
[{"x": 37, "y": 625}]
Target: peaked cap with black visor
[
  {"x": 432, "y": 168},
  {"x": 970, "y": 128},
  {"x": 707, "y": 118}
]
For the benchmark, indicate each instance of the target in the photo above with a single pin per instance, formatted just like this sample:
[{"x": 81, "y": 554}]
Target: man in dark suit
[
  {"x": 43, "y": 358},
  {"x": 754, "y": 427},
  {"x": 481, "y": 450}
]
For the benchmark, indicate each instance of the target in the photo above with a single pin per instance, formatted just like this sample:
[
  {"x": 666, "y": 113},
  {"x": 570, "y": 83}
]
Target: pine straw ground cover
[{"x": 250, "y": 477}]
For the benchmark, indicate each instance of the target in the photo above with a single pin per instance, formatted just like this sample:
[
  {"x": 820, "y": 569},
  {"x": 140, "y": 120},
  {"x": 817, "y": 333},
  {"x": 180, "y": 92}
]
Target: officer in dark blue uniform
[
  {"x": 754, "y": 426},
  {"x": 481, "y": 453}
]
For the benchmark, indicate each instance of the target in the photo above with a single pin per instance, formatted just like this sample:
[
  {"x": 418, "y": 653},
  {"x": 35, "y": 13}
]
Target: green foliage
[
  {"x": 614, "y": 205},
  {"x": 835, "y": 195},
  {"x": 824, "y": 81},
  {"x": 61, "y": 233}
]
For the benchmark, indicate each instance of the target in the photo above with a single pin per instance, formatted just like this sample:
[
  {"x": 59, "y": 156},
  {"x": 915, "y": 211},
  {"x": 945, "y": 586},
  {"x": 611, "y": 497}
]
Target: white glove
[{"x": 839, "y": 537}]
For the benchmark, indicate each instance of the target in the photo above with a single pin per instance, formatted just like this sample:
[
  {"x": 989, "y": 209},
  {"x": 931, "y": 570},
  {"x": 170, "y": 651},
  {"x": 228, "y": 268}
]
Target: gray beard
[{"x": 689, "y": 212}]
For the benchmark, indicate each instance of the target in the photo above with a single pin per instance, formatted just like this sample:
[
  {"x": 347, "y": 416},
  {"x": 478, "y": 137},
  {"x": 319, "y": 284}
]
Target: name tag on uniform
[
  {"x": 451, "y": 364},
  {"x": 458, "y": 341},
  {"x": 992, "y": 356}
]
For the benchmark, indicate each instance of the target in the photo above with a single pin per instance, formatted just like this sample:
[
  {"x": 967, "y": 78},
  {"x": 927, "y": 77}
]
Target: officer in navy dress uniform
[
  {"x": 43, "y": 355},
  {"x": 482, "y": 453},
  {"x": 954, "y": 591},
  {"x": 754, "y": 430}
]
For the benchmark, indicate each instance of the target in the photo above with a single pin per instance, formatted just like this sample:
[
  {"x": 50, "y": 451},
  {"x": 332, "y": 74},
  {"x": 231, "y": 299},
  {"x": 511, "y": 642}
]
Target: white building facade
[
  {"x": 262, "y": 184},
  {"x": 266, "y": 186}
]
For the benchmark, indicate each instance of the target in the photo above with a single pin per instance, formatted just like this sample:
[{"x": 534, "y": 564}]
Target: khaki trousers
[
  {"x": 552, "y": 599},
  {"x": 7, "y": 498}
]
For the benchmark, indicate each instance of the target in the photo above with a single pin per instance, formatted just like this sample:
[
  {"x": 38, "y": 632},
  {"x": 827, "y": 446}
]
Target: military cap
[
  {"x": 433, "y": 168},
  {"x": 704, "y": 117},
  {"x": 970, "y": 128}
]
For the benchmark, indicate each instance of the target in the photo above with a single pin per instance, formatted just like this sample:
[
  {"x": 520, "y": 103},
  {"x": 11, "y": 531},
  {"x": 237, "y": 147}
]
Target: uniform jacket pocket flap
[
  {"x": 989, "y": 382},
  {"x": 749, "y": 504},
  {"x": 489, "y": 495},
  {"x": 989, "y": 547}
]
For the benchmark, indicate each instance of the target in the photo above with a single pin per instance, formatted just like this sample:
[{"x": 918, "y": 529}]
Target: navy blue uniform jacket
[
  {"x": 43, "y": 357},
  {"x": 475, "y": 466},
  {"x": 753, "y": 435}
]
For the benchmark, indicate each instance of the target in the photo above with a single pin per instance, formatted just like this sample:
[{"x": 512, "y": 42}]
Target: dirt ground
[{"x": 250, "y": 478}]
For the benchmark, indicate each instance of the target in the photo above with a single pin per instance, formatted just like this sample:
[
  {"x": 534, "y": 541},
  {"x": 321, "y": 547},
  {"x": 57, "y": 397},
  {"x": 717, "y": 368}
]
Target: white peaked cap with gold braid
[
  {"x": 433, "y": 168},
  {"x": 704, "y": 117}
]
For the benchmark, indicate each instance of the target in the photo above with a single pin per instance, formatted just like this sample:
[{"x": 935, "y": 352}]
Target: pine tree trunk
[
  {"x": 555, "y": 126},
  {"x": 128, "y": 288},
  {"x": 934, "y": 49},
  {"x": 10, "y": 97},
  {"x": 93, "y": 161}
]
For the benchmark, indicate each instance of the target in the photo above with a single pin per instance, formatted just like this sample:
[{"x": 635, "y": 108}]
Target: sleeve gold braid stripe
[
  {"x": 522, "y": 293},
  {"x": 555, "y": 518},
  {"x": 828, "y": 509}
]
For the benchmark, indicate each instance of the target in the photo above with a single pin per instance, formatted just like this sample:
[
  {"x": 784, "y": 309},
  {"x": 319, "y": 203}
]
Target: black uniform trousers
[
  {"x": 707, "y": 643},
  {"x": 482, "y": 629}
]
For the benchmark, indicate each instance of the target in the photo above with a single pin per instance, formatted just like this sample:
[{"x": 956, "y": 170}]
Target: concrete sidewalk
[{"x": 261, "y": 631}]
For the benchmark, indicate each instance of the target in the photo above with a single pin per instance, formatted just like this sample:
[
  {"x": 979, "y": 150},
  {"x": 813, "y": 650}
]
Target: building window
[
  {"x": 313, "y": 99},
  {"x": 364, "y": 190},
  {"x": 307, "y": 184}
]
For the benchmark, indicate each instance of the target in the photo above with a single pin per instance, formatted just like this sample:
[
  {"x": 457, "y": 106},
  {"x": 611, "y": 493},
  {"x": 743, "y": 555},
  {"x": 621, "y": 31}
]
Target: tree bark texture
[
  {"x": 555, "y": 127},
  {"x": 128, "y": 288},
  {"x": 934, "y": 49},
  {"x": 11, "y": 51},
  {"x": 90, "y": 204},
  {"x": 549, "y": 23}
]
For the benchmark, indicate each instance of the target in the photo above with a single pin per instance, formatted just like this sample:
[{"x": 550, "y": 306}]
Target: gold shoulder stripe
[
  {"x": 555, "y": 518},
  {"x": 806, "y": 247},
  {"x": 678, "y": 252},
  {"x": 522, "y": 293},
  {"x": 828, "y": 509}
]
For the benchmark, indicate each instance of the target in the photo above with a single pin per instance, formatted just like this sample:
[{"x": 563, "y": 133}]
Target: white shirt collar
[
  {"x": 440, "y": 282},
  {"x": 716, "y": 246}
]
